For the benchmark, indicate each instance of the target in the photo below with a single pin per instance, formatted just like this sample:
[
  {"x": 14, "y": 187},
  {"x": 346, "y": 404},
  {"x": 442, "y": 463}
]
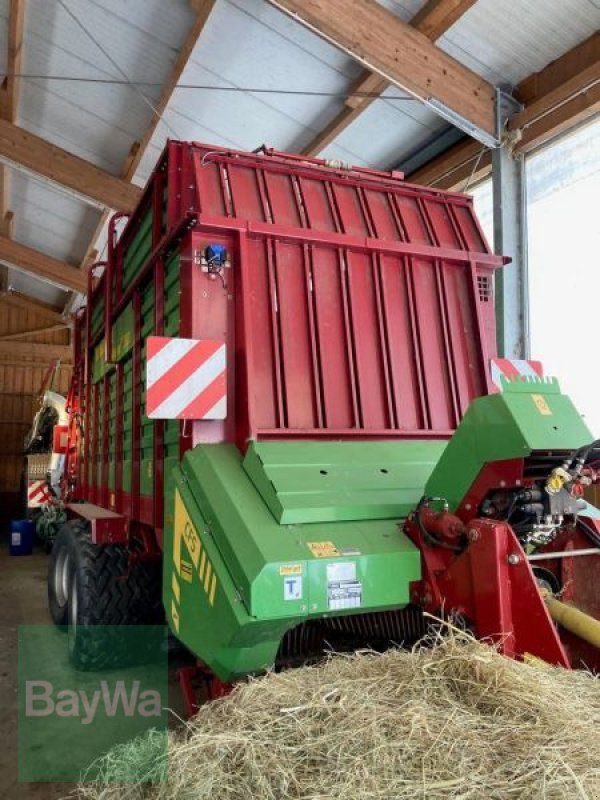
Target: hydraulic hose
[
  {"x": 580, "y": 456},
  {"x": 428, "y": 537},
  {"x": 574, "y": 620}
]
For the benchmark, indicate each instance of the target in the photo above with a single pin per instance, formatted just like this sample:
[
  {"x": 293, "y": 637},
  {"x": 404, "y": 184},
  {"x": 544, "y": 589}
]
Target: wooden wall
[{"x": 23, "y": 364}]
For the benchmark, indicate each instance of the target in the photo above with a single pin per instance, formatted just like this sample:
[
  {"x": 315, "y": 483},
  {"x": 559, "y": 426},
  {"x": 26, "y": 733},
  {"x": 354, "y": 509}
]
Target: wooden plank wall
[{"x": 20, "y": 382}]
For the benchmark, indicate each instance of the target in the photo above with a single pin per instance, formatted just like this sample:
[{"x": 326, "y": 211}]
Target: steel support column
[{"x": 510, "y": 239}]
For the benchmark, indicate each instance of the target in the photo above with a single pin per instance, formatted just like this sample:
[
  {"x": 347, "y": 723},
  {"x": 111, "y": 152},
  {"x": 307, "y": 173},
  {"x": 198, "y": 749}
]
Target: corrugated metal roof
[
  {"x": 96, "y": 121},
  {"x": 508, "y": 41},
  {"x": 246, "y": 46}
]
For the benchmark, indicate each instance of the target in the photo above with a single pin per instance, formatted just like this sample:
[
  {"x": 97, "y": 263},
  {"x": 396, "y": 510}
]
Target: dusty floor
[{"x": 23, "y": 601}]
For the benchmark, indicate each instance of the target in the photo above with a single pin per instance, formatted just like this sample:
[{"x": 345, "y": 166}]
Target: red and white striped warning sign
[
  {"x": 38, "y": 494},
  {"x": 511, "y": 368},
  {"x": 185, "y": 378}
]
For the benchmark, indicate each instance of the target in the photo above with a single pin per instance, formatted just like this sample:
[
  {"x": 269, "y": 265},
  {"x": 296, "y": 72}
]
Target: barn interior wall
[{"x": 21, "y": 378}]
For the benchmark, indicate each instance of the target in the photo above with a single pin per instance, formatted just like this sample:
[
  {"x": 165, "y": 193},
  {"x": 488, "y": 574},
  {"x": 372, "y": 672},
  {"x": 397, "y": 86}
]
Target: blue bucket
[{"x": 22, "y": 535}]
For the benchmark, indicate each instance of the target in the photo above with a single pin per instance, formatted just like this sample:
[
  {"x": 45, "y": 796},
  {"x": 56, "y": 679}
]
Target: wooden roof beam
[
  {"x": 34, "y": 332},
  {"x": 559, "y": 97},
  {"x": 9, "y": 91},
  {"x": 24, "y": 303},
  {"x": 33, "y": 350},
  {"x": 26, "y": 151},
  {"x": 434, "y": 19},
  {"x": 9, "y": 107},
  {"x": 202, "y": 8},
  {"x": 42, "y": 266}
]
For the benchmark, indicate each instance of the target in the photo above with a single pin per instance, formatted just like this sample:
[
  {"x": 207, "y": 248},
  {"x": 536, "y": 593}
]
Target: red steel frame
[{"x": 357, "y": 306}]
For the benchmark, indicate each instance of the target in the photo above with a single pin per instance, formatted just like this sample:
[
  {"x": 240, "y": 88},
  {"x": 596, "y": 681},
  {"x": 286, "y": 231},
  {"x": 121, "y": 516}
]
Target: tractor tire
[
  {"x": 59, "y": 579},
  {"x": 104, "y": 595}
]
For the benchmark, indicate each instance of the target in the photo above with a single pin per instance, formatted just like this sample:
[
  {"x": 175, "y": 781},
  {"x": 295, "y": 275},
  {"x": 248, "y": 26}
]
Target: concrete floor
[{"x": 23, "y": 601}]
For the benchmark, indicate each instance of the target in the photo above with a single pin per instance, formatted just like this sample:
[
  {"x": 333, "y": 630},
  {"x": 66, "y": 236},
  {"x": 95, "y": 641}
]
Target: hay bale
[{"x": 454, "y": 721}]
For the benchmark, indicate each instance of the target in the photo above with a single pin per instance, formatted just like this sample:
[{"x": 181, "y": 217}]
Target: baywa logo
[
  {"x": 69, "y": 719},
  {"x": 42, "y": 700}
]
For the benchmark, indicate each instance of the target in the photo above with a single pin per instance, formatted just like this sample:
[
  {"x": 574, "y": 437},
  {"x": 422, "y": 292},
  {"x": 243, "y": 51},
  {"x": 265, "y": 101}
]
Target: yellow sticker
[
  {"x": 184, "y": 531},
  {"x": 186, "y": 571},
  {"x": 175, "y": 588},
  {"x": 323, "y": 549},
  {"x": 541, "y": 405},
  {"x": 175, "y": 616},
  {"x": 291, "y": 569}
]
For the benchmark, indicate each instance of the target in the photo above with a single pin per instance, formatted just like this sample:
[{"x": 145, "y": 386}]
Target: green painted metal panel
[
  {"x": 328, "y": 481},
  {"x": 122, "y": 333},
  {"x": 526, "y": 416},
  {"x": 139, "y": 250},
  {"x": 253, "y": 558},
  {"x": 97, "y": 319}
]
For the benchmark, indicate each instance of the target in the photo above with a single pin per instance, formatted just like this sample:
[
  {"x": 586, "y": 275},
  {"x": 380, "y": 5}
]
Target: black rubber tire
[
  {"x": 104, "y": 595},
  {"x": 59, "y": 579}
]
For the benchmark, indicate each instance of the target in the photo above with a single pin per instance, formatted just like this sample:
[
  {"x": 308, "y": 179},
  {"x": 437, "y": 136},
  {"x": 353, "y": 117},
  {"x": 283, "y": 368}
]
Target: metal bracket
[{"x": 506, "y": 106}]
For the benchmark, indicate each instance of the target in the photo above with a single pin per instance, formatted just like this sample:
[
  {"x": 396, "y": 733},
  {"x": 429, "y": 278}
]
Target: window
[{"x": 563, "y": 186}]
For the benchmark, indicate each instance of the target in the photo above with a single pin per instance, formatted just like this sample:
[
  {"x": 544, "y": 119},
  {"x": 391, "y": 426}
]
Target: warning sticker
[
  {"x": 292, "y": 588},
  {"x": 186, "y": 571},
  {"x": 291, "y": 569},
  {"x": 541, "y": 405},
  {"x": 343, "y": 589},
  {"x": 323, "y": 549}
]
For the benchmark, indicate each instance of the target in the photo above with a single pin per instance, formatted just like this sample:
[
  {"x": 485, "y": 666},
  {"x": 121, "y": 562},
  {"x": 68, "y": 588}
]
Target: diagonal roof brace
[{"x": 505, "y": 107}]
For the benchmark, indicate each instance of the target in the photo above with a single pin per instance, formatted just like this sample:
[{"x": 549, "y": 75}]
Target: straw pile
[{"x": 453, "y": 721}]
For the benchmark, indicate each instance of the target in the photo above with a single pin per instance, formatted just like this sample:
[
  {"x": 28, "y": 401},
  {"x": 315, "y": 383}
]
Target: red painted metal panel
[
  {"x": 295, "y": 336},
  {"x": 356, "y": 305},
  {"x": 339, "y": 401}
]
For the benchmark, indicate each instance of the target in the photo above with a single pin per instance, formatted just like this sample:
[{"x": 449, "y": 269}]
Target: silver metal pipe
[{"x": 587, "y": 551}]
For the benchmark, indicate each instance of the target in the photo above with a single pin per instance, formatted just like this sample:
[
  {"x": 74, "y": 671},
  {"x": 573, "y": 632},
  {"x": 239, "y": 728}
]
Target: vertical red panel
[
  {"x": 367, "y": 342},
  {"x": 431, "y": 337},
  {"x": 474, "y": 239},
  {"x": 444, "y": 232},
  {"x": 245, "y": 193},
  {"x": 209, "y": 188},
  {"x": 483, "y": 279},
  {"x": 382, "y": 216},
  {"x": 407, "y": 383},
  {"x": 282, "y": 199},
  {"x": 463, "y": 335},
  {"x": 412, "y": 219},
  {"x": 260, "y": 302},
  {"x": 296, "y": 346},
  {"x": 351, "y": 215},
  {"x": 316, "y": 205},
  {"x": 334, "y": 348}
]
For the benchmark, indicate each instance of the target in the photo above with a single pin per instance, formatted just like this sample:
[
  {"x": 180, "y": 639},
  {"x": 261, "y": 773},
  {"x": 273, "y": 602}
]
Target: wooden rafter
[
  {"x": 33, "y": 350},
  {"x": 559, "y": 97},
  {"x": 9, "y": 92},
  {"x": 203, "y": 9},
  {"x": 9, "y": 107},
  {"x": 25, "y": 150},
  {"x": 41, "y": 266},
  {"x": 24, "y": 303},
  {"x": 34, "y": 332},
  {"x": 432, "y": 21}
]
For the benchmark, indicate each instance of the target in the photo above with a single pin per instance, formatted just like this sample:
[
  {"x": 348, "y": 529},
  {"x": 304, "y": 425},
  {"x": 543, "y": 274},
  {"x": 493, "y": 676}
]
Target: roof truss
[
  {"x": 433, "y": 21},
  {"x": 400, "y": 54},
  {"x": 556, "y": 99}
]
